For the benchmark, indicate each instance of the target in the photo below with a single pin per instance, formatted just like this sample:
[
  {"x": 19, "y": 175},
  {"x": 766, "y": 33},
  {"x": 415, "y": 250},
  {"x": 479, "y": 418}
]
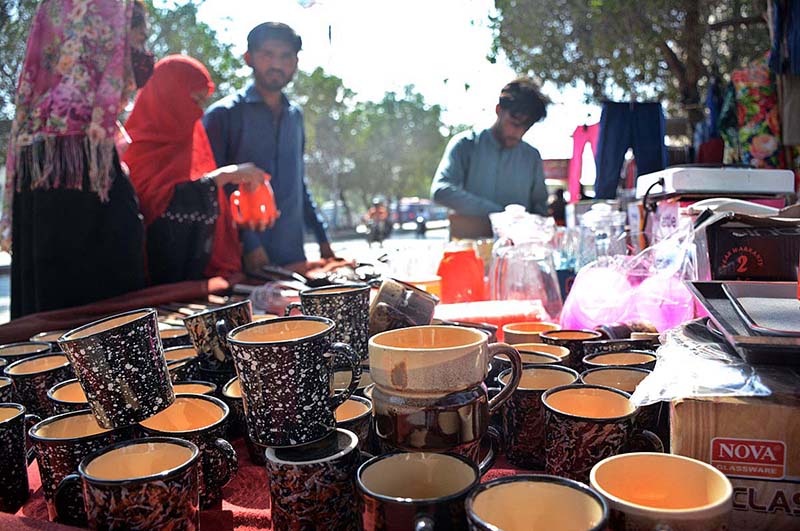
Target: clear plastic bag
[
  {"x": 646, "y": 287},
  {"x": 692, "y": 364}
]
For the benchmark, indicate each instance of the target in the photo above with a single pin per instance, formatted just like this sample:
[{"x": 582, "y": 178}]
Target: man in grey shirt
[{"x": 483, "y": 171}]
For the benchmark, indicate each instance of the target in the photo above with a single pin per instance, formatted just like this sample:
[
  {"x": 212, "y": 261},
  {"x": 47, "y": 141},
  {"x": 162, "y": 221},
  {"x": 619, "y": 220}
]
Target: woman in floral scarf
[{"x": 70, "y": 215}]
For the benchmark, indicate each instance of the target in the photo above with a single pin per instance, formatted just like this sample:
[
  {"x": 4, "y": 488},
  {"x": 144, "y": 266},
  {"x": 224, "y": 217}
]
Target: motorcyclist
[{"x": 377, "y": 219}]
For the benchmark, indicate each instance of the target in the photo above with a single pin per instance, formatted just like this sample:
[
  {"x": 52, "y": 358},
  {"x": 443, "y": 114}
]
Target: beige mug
[
  {"x": 526, "y": 332},
  {"x": 663, "y": 491}
]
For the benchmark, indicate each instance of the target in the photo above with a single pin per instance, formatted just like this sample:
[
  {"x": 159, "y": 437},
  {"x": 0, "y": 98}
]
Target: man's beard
[{"x": 274, "y": 82}]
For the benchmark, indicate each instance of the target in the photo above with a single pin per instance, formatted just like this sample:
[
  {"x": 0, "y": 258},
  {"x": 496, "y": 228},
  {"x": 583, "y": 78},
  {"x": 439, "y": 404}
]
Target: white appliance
[{"x": 728, "y": 181}]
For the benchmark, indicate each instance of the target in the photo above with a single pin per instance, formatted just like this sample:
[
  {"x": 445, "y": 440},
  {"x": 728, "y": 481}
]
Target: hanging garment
[
  {"x": 624, "y": 125},
  {"x": 729, "y": 127},
  {"x": 711, "y": 151},
  {"x": 581, "y": 135},
  {"x": 758, "y": 118},
  {"x": 784, "y": 55},
  {"x": 790, "y": 109}
]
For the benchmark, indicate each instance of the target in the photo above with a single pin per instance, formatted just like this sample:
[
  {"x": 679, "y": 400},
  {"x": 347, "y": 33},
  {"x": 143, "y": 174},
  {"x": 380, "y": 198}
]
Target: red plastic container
[
  {"x": 461, "y": 271},
  {"x": 249, "y": 209}
]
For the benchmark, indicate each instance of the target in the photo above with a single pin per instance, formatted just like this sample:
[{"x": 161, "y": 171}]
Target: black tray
[{"x": 752, "y": 347}]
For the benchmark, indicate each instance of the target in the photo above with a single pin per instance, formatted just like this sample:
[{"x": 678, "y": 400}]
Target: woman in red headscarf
[{"x": 190, "y": 231}]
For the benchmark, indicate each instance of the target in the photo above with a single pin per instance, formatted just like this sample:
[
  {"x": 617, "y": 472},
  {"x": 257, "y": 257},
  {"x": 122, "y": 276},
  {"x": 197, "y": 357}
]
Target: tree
[
  {"x": 15, "y": 20},
  {"x": 663, "y": 48}
]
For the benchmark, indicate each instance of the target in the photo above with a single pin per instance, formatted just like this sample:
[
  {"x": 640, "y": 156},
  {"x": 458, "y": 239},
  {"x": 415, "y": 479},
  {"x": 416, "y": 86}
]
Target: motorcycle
[{"x": 377, "y": 231}]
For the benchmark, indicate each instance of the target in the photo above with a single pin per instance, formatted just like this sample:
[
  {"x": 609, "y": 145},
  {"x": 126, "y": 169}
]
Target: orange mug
[{"x": 251, "y": 209}]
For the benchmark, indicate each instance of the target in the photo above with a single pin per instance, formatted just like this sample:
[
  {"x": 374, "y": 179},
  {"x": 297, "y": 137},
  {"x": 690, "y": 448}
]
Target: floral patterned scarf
[{"x": 74, "y": 80}]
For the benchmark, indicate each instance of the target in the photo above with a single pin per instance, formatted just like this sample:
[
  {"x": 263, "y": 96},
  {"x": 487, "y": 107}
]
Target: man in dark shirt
[{"x": 260, "y": 125}]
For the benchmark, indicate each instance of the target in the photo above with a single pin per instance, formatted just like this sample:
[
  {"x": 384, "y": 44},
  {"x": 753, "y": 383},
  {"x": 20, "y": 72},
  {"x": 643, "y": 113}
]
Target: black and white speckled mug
[
  {"x": 67, "y": 396},
  {"x": 203, "y": 420},
  {"x": 61, "y": 442},
  {"x": 12, "y": 352},
  {"x": 13, "y": 465},
  {"x": 347, "y": 305},
  {"x": 311, "y": 486},
  {"x": 139, "y": 485},
  {"x": 6, "y": 390},
  {"x": 33, "y": 377},
  {"x": 285, "y": 368},
  {"x": 208, "y": 330},
  {"x": 120, "y": 364}
]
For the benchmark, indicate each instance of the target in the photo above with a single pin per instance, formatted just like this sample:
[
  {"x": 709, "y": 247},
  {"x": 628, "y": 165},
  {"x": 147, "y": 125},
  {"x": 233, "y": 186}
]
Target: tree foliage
[{"x": 619, "y": 48}]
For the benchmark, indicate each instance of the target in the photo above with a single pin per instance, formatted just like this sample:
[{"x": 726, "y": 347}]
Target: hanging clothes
[
  {"x": 641, "y": 126},
  {"x": 581, "y": 135},
  {"x": 757, "y": 116},
  {"x": 784, "y": 55}
]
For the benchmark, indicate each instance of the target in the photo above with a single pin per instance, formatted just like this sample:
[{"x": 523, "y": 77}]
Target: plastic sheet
[{"x": 693, "y": 364}]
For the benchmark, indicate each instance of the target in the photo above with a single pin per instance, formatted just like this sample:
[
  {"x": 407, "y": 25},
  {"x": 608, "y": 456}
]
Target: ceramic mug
[
  {"x": 194, "y": 387},
  {"x": 587, "y": 423},
  {"x": 13, "y": 466},
  {"x": 627, "y": 379},
  {"x": 524, "y": 415},
  {"x": 355, "y": 414},
  {"x": 285, "y": 367},
  {"x": 616, "y": 345},
  {"x": 61, "y": 443},
  {"x": 525, "y": 502},
  {"x": 12, "y": 352},
  {"x": 120, "y": 365},
  {"x": 6, "y": 390},
  {"x": 311, "y": 485},
  {"x": 183, "y": 363},
  {"x": 663, "y": 491},
  {"x": 138, "y": 485},
  {"x": 531, "y": 356},
  {"x": 232, "y": 395},
  {"x": 174, "y": 337},
  {"x": 347, "y": 305},
  {"x": 628, "y": 358},
  {"x": 68, "y": 396},
  {"x": 419, "y": 491},
  {"x": 208, "y": 330},
  {"x": 201, "y": 420},
  {"x": 526, "y": 332},
  {"x": 399, "y": 305},
  {"x": 50, "y": 336},
  {"x": 574, "y": 340},
  {"x": 33, "y": 377}
]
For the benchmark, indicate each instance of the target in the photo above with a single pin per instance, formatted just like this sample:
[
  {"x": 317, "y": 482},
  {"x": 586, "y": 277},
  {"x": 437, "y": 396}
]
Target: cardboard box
[
  {"x": 739, "y": 247},
  {"x": 756, "y": 443}
]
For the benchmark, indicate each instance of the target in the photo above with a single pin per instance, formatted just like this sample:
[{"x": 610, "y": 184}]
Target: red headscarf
[{"x": 169, "y": 146}]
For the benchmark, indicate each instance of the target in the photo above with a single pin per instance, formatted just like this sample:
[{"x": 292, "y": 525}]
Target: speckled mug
[
  {"x": 120, "y": 364},
  {"x": 139, "y": 485},
  {"x": 285, "y": 367},
  {"x": 33, "y": 377},
  {"x": 6, "y": 390},
  {"x": 587, "y": 423},
  {"x": 174, "y": 337},
  {"x": 61, "y": 443},
  {"x": 524, "y": 415},
  {"x": 232, "y": 395},
  {"x": 574, "y": 340},
  {"x": 208, "y": 330},
  {"x": 202, "y": 420},
  {"x": 68, "y": 396},
  {"x": 311, "y": 486},
  {"x": 50, "y": 336},
  {"x": 13, "y": 465},
  {"x": 12, "y": 352},
  {"x": 347, "y": 305}
]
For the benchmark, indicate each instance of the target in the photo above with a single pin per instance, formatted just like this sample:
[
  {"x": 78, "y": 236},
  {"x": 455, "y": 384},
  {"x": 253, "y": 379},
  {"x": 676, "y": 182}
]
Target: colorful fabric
[
  {"x": 580, "y": 137},
  {"x": 170, "y": 147},
  {"x": 75, "y": 77},
  {"x": 758, "y": 116}
]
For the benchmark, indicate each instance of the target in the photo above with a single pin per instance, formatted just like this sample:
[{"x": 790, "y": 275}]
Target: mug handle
[
  {"x": 645, "y": 441},
  {"x": 30, "y": 422},
  {"x": 516, "y": 374},
  {"x": 225, "y": 455},
  {"x": 423, "y": 523},
  {"x": 343, "y": 350},
  {"x": 292, "y": 306},
  {"x": 491, "y": 456},
  {"x": 68, "y": 492}
]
